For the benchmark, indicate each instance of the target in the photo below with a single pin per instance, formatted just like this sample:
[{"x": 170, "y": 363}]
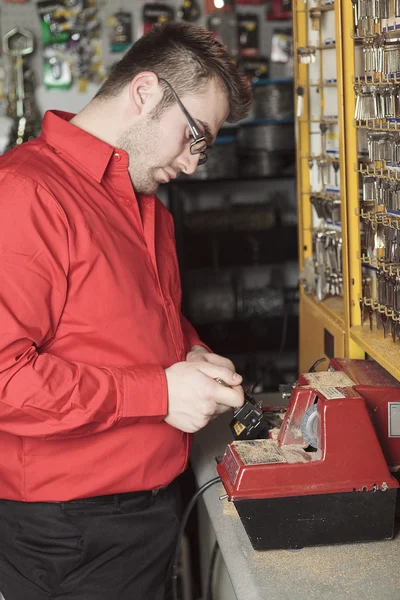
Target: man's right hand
[{"x": 194, "y": 397}]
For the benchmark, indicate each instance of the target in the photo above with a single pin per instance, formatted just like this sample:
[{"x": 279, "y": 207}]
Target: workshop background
[
  {"x": 288, "y": 238},
  {"x": 236, "y": 219}
]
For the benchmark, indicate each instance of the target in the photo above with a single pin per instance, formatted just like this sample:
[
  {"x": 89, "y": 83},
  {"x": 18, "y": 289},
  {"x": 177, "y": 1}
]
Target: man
[{"x": 102, "y": 380}]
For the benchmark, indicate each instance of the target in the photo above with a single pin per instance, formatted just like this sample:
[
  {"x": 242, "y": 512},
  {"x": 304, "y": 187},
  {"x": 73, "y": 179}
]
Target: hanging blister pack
[
  {"x": 189, "y": 11},
  {"x": 71, "y": 43},
  {"x": 155, "y": 12},
  {"x": 120, "y": 31},
  {"x": 224, "y": 27},
  {"x": 255, "y": 68},
  {"x": 248, "y": 32}
]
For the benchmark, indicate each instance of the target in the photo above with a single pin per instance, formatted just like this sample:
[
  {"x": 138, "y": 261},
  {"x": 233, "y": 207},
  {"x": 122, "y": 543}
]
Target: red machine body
[
  {"x": 355, "y": 415},
  {"x": 381, "y": 393}
]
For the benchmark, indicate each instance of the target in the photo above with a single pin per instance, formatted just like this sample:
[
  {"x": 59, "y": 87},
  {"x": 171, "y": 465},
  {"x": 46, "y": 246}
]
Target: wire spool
[
  {"x": 261, "y": 302},
  {"x": 248, "y": 217},
  {"x": 215, "y": 302},
  {"x": 270, "y": 138},
  {"x": 260, "y": 163},
  {"x": 222, "y": 160},
  {"x": 273, "y": 100}
]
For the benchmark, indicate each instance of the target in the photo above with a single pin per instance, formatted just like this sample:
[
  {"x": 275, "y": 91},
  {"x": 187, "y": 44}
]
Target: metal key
[
  {"x": 18, "y": 43},
  {"x": 336, "y": 166},
  {"x": 315, "y": 16},
  {"x": 323, "y": 128}
]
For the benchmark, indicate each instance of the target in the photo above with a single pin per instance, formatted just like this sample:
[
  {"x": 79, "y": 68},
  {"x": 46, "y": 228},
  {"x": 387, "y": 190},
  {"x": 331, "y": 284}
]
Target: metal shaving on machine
[
  {"x": 273, "y": 99},
  {"x": 330, "y": 473}
]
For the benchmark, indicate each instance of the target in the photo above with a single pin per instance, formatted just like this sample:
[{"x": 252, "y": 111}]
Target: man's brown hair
[{"x": 188, "y": 57}]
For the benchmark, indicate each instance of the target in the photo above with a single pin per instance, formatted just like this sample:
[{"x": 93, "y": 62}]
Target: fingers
[
  {"x": 221, "y": 361},
  {"x": 220, "y": 409},
  {"x": 200, "y": 353},
  {"x": 194, "y": 397},
  {"x": 197, "y": 353},
  {"x": 232, "y": 397},
  {"x": 221, "y": 372}
]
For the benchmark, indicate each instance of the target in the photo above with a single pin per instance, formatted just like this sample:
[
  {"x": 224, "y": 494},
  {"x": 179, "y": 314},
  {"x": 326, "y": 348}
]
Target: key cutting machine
[{"x": 328, "y": 475}]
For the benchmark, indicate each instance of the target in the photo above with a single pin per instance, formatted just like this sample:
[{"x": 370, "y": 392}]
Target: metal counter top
[{"x": 367, "y": 571}]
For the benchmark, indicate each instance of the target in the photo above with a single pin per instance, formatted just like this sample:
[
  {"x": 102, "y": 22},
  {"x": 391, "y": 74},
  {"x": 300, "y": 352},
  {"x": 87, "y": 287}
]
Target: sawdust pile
[
  {"x": 329, "y": 379},
  {"x": 230, "y": 510},
  {"x": 325, "y": 568},
  {"x": 267, "y": 451}
]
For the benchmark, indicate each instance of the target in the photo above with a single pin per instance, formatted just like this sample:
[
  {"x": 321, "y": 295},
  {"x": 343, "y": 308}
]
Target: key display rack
[{"x": 347, "y": 78}]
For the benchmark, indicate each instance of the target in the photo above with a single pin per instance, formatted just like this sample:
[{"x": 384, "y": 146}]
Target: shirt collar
[{"x": 89, "y": 152}]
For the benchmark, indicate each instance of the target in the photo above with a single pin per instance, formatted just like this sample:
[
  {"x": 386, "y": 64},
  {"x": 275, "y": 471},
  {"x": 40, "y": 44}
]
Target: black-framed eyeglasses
[{"x": 199, "y": 144}]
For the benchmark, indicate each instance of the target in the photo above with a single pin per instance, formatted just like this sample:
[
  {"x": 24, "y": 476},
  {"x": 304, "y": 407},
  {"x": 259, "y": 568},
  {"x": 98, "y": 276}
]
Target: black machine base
[
  {"x": 397, "y": 476},
  {"x": 324, "y": 519}
]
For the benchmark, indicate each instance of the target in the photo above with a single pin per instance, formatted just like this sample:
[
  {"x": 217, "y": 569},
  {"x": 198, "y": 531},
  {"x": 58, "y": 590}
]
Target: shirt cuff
[{"x": 145, "y": 394}]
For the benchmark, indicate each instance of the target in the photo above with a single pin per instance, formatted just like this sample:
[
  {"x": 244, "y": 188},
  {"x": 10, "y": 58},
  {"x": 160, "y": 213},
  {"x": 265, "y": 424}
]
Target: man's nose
[{"x": 188, "y": 162}]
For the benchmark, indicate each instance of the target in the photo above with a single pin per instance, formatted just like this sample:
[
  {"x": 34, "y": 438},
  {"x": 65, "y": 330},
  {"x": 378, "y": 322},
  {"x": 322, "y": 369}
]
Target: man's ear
[{"x": 144, "y": 92}]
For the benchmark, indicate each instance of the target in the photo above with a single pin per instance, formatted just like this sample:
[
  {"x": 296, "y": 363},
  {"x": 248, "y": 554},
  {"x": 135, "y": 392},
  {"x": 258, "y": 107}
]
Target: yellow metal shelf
[
  {"x": 323, "y": 8},
  {"x": 378, "y": 125},
  {"x": 322, "y": 85},
  {"x": 384, "y": 351},
  {"x": 335, "y": 323},
  {"x": 333, "y": 308},
  {"x": 328, "y": 121}
]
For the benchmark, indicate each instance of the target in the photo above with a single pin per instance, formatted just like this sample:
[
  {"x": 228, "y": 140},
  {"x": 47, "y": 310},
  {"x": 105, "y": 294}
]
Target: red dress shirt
[{"x": 89, "y": 319}]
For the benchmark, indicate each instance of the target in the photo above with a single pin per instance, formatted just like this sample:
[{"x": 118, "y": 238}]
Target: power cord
[
  {"x": 210, "y": 575},
  {"x": 186, "y": 514}
]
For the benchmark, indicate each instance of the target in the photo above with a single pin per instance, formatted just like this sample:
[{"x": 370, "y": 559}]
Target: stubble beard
[{"x": 140, "y": 143}]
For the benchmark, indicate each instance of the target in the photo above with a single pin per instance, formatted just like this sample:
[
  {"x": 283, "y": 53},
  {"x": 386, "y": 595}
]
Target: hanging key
[
  {"x": 18, "y": 43},
  {"x": 383, "y": 9},
  {"x": 300, "y": 101},
  {"x": 362, "y": 310},
  {"x": 355, "y": 10},
  {"x": 397, "y": 302},
  {"x": 310, "y": 162},
  {"x": 384, "y": 321},
  {"x": 370, "y": 316},
  {"x": 335, "y": 210},
  {"x": 336, "y": 167},
  {"x": 323, "y": 128},
  {"x": 315, "y": 16}
]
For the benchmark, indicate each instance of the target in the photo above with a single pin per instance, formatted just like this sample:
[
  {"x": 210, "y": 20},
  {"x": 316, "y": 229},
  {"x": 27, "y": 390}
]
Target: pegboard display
[
  {"x": 25, "y": 15},
  {"x": 323, "y": 161},
  {"x": 322, "y": 177}
]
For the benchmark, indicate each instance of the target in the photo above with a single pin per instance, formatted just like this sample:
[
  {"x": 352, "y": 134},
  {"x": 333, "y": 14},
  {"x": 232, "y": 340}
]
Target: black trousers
[{"x": 111, "y": 548}]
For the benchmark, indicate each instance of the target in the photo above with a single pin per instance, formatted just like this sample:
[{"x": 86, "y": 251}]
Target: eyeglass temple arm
[{"x": 196, "y": 134}]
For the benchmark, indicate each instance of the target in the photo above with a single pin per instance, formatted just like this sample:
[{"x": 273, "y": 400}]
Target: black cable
[
  {"x": 287, "y": 306},
  {"x": 214, "y": 553},
  {"x": 182, "y": 527},
  {"x": 284, "y": 331}
]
